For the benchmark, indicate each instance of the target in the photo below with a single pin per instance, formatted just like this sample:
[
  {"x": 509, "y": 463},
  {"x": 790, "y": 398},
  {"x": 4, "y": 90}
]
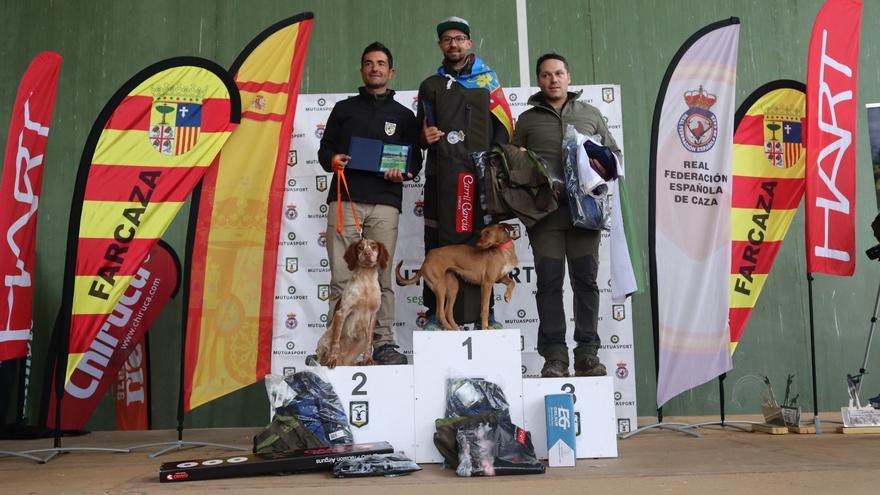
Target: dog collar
[{"x": 506, "y": 245}]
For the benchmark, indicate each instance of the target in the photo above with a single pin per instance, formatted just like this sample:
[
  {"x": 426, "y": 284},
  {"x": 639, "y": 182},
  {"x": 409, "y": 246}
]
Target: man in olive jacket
[{"x": 553, "y": 239}]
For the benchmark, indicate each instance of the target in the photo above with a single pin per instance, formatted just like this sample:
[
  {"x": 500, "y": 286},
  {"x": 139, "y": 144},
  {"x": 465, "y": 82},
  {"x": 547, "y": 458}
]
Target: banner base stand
[
  {"x": 679, "y": 427},
  {"x": 4, "y": 453},
  {"x": 724, "y": 424},
  {"x": 61, "y": 450},
  {"x": 182, "y": 444}
]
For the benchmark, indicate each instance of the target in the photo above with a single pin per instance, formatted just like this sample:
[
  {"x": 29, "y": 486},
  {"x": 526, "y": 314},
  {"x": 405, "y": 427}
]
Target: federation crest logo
[
  {"x": 607, "y": 95},
  {"x": 319, "y": 130},
  {"x": 419, "y": 208},
  {"x": 698, "y": 126},
  {"x": 618, "y": 312},
  {"x": 291, "y": 265},
  {"x": 291, "y": 158},
  {"x": 288, "y": 371},
  {"x": 358, "y": 413},
  {"x": 290, "y": 213},
  {"x": 621, "y": 371},
  {"x": 323, "y": 292},
  {"x": 322, "y": 239},
  {"x": 623, "y": 425},
  {"x": 390, "y": 127},
  {"x": 175, "y": 119},
  {"x": 783, "y": 140},
  {"x": 321, "y": 183},
  {"x": 290, "y": 323}
]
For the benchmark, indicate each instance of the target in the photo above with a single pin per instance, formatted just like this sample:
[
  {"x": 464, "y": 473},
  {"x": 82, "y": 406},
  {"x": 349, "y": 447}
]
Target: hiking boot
[
  {"x": 387, "y": 354},
  {"x": 493, "y": 323},
  {"x": 589, "y": 366},
  {"x": 432, "y": 324},
  {"x": 553, "y": 368}
]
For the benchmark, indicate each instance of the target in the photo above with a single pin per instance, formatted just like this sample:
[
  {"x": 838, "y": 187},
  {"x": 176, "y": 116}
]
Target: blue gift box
[{"x": 559, "y": 413}]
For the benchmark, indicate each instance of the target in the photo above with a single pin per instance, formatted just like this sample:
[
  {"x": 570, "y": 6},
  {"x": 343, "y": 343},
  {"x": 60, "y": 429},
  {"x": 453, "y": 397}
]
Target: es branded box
[{"x": 559, "y": 413}]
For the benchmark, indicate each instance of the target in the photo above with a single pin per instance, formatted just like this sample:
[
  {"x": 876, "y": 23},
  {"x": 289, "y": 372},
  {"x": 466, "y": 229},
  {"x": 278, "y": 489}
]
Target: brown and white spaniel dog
[{"x": 354, "y": 317}]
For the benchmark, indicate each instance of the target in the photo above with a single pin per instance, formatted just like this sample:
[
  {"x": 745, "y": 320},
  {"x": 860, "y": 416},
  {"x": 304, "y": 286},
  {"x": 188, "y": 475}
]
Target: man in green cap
[{"x": 462, "y": 110}]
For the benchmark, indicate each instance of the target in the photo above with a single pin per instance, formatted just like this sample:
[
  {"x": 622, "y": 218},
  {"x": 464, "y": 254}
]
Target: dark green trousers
[{"x": 555, "y": 243}]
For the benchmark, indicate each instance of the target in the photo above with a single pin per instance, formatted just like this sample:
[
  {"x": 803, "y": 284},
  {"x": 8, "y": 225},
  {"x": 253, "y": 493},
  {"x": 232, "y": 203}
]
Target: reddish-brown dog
[
  {"x": 354, "y": 317},
  {"x": 484, "y": 264}
]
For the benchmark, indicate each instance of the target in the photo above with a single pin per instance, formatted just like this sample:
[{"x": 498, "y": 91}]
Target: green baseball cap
[{"x": 453, "y": 23}]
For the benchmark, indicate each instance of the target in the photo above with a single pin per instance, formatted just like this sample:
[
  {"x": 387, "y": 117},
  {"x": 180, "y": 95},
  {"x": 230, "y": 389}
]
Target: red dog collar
[{"x": 506, "y": 245}]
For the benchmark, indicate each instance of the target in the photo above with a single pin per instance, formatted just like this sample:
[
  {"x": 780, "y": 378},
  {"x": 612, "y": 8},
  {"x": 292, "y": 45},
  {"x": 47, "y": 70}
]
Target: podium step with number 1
[{"x": 490, "y": 354}]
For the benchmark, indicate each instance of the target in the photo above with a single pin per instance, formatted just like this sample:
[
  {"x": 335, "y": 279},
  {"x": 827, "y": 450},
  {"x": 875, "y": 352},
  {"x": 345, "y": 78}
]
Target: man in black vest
[
  {"x": 462, "y": 110},
  {"x": 375, "y": 198}
]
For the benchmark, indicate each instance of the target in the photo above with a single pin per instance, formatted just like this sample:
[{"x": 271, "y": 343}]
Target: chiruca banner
[
  {"x": 768, "y": 184},
  {"x": 148, "y": 148},
  {"x": 689, "y": 202},
  {"x": 235, "y": 222},
  {"x": 832, "y": 83},
  {"x": 20, "y": 186},
  {"x": 118, "y": 349}
]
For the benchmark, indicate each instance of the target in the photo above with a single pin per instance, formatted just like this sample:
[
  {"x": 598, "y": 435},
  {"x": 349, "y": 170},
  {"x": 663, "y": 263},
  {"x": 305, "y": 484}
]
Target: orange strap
[{"x": 340, "y": 182}]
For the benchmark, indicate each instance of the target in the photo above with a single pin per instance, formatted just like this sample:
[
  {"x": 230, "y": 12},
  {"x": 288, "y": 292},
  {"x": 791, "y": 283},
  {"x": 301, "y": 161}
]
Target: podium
[
  {"x": 438, "y": 356},
  {"x": 399, "y": 404},
  {"x": 379, "y": 403}
]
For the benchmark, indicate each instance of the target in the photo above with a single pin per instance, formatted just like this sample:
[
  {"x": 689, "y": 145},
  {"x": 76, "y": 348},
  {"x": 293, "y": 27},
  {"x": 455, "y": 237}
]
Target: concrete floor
[{"x": 654, "y": 462}]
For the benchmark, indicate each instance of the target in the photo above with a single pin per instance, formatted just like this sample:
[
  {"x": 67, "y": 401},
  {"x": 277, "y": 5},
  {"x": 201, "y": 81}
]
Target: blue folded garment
[{"x": 605, "y": 157}]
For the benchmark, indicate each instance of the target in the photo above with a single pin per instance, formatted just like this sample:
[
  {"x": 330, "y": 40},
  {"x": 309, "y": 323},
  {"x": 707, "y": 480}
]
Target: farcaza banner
[
  {"x": 302, "y": 287},
  {"x": 234, "y": 229},
  {"x": 20, "y": 186},
  {"x": 768, "y": 184},
  {"x": 690, "y": 198},
  {"x": 832, "y": 81},
  {"x": 119, "y": 344},
  {"x": 148, "y": 148}
]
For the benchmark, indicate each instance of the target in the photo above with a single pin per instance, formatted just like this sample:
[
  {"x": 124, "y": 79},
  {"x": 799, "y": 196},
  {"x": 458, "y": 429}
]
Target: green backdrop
[{"x": 628, "y": 42}]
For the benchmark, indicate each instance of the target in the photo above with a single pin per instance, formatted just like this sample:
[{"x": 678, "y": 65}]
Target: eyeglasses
[{"x": 447, "y": 40}]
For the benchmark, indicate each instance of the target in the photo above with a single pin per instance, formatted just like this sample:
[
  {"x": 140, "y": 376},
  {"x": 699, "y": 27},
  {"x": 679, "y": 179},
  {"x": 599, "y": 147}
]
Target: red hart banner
[
  {"x": 155, "y": 282},
  {"x": 20, "y": 188},
  {"x": 832, "y": 81}
]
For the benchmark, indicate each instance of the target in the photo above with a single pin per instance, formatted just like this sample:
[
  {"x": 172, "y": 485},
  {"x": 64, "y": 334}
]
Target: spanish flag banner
[
  {"x": 768, "y": 184},
  {"x": 148, "y": 148},
  {"x": 233, "y": 246}
]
